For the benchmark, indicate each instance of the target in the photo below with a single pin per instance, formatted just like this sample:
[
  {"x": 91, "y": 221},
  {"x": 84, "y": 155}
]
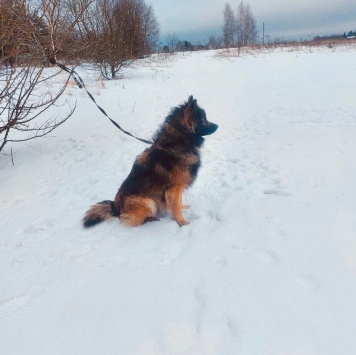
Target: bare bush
[
  {"x": 33, "y": 32},
  {"x": 24, "y": 98},
  {"x": 172, "y": 42},
  {"x": 215, "y": 42},
  {"x": 118, "y": 33}
]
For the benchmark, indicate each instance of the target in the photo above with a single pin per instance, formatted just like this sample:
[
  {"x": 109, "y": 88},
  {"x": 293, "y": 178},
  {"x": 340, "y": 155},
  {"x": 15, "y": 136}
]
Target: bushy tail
[{"x": 102, "y": 211}]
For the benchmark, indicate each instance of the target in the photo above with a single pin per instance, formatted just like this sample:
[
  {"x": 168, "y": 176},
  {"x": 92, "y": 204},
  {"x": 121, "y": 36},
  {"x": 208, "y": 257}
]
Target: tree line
[
  {"x": 110, "y": 33},
  {"x": 350, "y": 34},
  {"x": 238, "y": 30}
]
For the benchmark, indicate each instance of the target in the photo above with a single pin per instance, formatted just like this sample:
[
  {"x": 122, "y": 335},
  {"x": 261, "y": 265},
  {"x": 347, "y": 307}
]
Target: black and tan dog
[{"x": 160, "y": 173}]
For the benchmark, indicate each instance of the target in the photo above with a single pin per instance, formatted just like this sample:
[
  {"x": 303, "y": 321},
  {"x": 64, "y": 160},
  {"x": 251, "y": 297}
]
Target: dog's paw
[
  {"x": 185, "y": 207},
  {"x": 182, "y": 222}
]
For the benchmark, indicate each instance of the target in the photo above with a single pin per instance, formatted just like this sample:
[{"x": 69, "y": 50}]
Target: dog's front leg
[
  {"x": 173, "y": 197},
  {"x": 183, "y": 207}
]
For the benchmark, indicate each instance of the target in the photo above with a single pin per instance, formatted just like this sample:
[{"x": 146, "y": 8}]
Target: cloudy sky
[{"x": 198, "y": 19}]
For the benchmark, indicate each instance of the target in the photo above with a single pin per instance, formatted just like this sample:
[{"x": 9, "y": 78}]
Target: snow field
[{"x": 266, "y": 265}]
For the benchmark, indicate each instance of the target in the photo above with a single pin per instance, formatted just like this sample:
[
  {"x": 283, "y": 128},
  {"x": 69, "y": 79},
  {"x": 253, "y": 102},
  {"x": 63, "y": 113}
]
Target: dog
[{"x": 161, "y": 172}]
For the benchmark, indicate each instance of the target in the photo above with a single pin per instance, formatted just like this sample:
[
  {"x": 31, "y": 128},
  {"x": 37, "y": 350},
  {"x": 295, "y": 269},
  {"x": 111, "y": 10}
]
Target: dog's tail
[{"x": 101, "y": 211}]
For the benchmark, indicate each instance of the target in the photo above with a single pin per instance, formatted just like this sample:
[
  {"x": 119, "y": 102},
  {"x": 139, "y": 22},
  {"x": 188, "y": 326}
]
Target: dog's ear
[
  {"x": 188, "y": 116},
  {"x": 191, "y": 101}
]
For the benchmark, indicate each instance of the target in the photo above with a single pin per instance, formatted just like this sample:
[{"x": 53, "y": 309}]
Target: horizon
[
  {"x": 293, "y": 21},
  {"x": 202, "y": 36}
]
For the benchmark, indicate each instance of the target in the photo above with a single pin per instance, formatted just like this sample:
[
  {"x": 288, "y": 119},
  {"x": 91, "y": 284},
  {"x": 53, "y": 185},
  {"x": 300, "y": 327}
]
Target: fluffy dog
[{"x": 161, "y": 172}]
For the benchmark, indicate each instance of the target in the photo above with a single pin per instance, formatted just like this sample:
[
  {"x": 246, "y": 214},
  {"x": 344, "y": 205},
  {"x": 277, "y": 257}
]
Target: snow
[{"x": 267, "y": 264}]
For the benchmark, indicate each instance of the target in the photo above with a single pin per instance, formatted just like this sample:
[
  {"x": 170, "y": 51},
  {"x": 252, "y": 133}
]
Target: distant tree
[
  {"x": 165, "y": 49},
  {"x": 246, "y": 28},
  {"x": 200, "y": 46},
  {"x": 215, "y": 42},
  {"x": 180, "y": 46},
  {"x": 184, "y": 46},
  {"x": 229, "y": 26},
  {"x": 32, "y": 31},
  {"x": 188, "y": 46},
  {"x": 172, "y": 42},
  {"x": 118, "y": 32}
]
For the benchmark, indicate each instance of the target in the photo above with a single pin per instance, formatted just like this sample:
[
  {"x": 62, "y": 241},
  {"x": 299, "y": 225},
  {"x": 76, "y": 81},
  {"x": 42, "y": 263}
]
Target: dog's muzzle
[{"x": 210, "y": 128}]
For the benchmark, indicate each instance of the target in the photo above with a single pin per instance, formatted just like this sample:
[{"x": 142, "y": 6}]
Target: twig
[{"x": 12, "y": 158}]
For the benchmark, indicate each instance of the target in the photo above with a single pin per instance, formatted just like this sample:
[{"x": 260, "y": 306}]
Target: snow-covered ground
[{"x": 267, "y": 265}]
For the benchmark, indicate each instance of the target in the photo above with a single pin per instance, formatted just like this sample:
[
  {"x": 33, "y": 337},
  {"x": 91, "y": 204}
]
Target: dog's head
[{"x": 194, "y": 119}]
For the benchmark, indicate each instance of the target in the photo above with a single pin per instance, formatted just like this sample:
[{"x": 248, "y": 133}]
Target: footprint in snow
[
  {"x": 41, "y": 226},
  {"x": 13, "y": 305}
]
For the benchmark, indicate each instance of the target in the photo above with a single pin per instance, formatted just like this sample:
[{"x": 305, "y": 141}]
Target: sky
[{"x": 196, "y": 20}]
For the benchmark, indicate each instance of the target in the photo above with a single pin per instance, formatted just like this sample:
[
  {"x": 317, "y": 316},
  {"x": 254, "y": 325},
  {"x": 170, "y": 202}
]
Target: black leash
[{"x": 79, "y": 81}]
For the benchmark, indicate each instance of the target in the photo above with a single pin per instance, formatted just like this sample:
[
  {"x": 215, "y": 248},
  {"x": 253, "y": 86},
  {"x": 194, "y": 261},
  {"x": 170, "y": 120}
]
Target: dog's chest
[{"x": 185, "y": 172}]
